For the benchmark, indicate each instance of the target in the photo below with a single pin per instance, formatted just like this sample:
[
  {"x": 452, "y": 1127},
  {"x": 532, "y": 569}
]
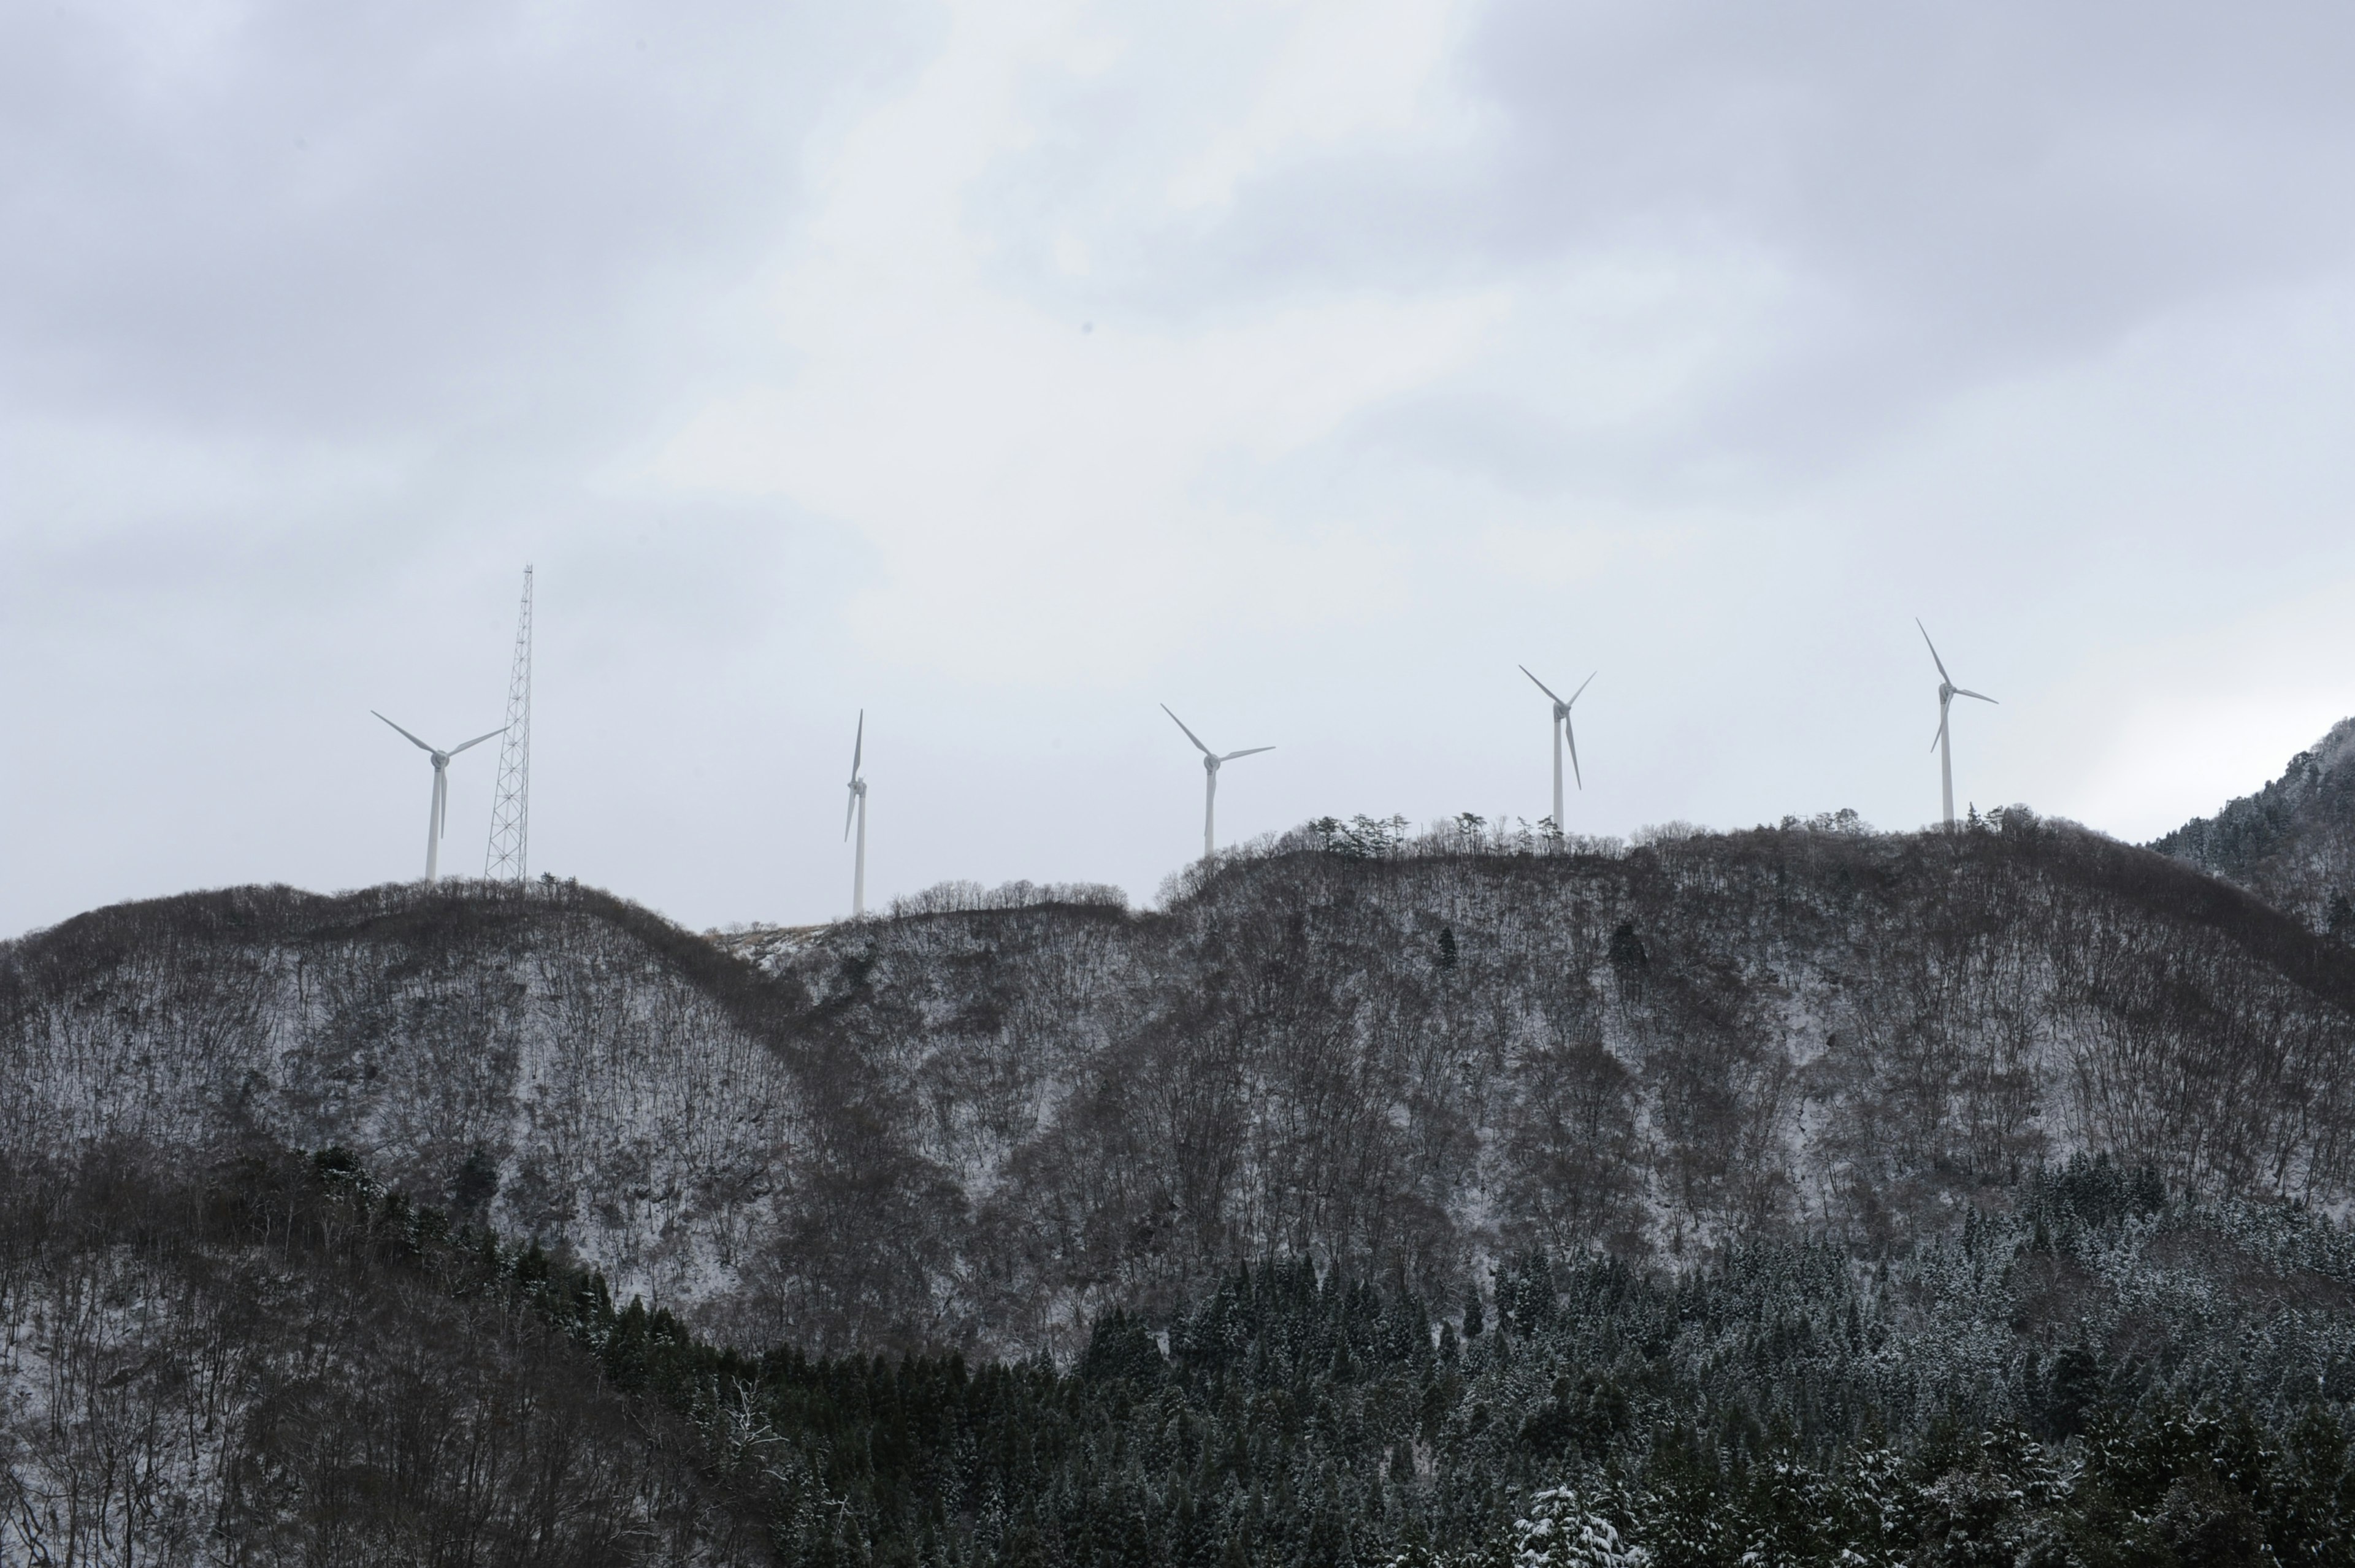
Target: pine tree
[{"x": 1561, "y": 1531}]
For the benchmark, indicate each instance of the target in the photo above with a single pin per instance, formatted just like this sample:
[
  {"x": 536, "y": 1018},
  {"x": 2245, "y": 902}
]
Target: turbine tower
[
  {"x": 510, "y": 820},
  {"x": 1210, "y": 761},
  {"x": 857, "y": 808},
  {"x": 437, "y": 816},
  {"x": 1947, "y": 692},
  {"x": 1562, "y": 732}
]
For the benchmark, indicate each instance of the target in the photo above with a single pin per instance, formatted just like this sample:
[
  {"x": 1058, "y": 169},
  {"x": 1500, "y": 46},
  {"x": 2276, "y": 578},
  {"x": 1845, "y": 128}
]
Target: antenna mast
[{"x": 509, "y": 818}]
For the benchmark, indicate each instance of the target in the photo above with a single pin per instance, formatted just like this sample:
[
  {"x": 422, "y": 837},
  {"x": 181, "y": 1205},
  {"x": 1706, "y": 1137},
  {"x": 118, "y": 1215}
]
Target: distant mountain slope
[
  {"x": 979, "y": 1128},
  {"x": 2293, "y": 842}
]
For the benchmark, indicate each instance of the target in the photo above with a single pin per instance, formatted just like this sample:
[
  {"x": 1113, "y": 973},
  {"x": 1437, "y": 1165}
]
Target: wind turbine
[
  {"x": 436, "y": 819},
  {"x": 857, "y": 808},
  {"x": 1210, "y": 761},
  {"x": 1562, "y": 732},
  {"x": 1947, "y": 692}
]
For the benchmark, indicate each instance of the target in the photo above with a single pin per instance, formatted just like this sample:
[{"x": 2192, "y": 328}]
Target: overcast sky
[{"x": 1008, "y": 371}]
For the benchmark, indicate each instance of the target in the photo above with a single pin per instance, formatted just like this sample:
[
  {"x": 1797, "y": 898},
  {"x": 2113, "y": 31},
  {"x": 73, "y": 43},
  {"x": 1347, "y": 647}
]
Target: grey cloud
[
  {"x": 341, "y": 218},
  {"x": 1983, "y": 186},
  {"x": 1949, "y": 194}
]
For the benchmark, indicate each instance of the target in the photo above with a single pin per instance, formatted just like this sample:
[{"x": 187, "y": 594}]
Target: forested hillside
[
  {"x": 1804, "y": 1195},
  {"x": 2293, "y": 842},
  {"x": 276, "y": 1360},
  {"x": 257, "y": 1363},
  {"x": 980, "y": 1128}
]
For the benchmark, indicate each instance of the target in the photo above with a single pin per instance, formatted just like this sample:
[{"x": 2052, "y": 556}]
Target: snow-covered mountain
[
  {"x": 2293, "y": 842},
  {"x": 979, "y": 1127}
]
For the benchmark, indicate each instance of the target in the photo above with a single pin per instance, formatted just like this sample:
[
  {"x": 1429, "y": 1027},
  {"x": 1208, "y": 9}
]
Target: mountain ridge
[{"x": 981, "y": 1128}]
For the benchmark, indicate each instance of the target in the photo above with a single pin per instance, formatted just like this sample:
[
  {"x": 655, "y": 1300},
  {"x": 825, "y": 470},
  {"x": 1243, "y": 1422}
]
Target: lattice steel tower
[{"x": 510, "y": 816}]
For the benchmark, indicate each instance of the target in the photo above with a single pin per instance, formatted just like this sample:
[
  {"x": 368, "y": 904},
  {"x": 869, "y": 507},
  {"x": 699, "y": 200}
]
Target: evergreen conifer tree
[{"x": 1560, "y": 1531}]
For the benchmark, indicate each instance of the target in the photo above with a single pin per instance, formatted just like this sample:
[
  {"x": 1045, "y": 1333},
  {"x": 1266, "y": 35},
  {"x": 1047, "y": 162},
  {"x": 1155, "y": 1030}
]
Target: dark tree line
[{"x": 280, "y": 1361}]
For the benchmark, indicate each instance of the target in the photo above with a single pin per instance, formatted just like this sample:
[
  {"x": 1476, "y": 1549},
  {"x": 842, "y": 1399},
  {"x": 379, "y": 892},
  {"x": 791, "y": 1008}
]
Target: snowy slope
[{"x": 979, "y": 1127}]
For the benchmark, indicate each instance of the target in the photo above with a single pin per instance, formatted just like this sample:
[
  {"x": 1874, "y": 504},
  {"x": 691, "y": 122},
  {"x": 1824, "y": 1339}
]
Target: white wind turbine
[
  {"x": 1562, "y": 732},
  {"x": 857, "y": 808},
  {"x": 1947, "y": 692},
  {"x": 439, "y": 815},
  {"x": 1210, "y": 761}
]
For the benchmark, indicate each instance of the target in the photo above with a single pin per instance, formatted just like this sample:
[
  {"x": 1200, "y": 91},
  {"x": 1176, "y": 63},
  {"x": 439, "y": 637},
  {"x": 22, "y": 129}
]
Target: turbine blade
[
  {"x": 1982, "y": 696},
  {"x": 476, "y": 741},
  {"x": 1571, "y": 736},
  {"x": 1250, "y": 752},
  {"x": 1933, "y": 653},
  {"x": 411, "y": 738},
  {"x": 1942, "y": 731},
  {"x": 1542, "y": 686},
  {"x": 1581, "y": 687},
  {"x": 858, "y": 750},
  {"x": 1190, "y": 734},
  {"x": 849, "y": 812}
]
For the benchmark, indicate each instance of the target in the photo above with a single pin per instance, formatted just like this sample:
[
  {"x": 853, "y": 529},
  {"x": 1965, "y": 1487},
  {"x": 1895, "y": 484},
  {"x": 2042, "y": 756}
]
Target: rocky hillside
[
  {"x": 2293, "y": 842},
  {"x": 978, "y": 1127}
]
